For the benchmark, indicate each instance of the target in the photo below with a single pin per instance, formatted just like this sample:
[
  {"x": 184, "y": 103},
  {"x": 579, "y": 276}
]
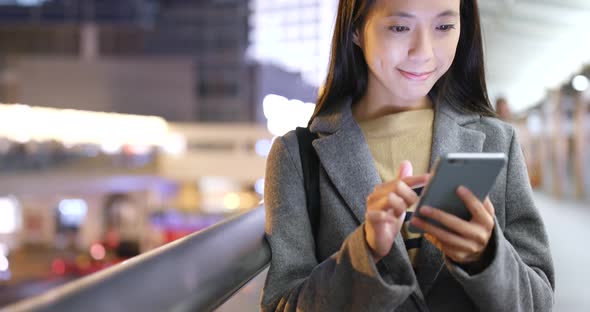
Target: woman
[{"x": 405, "y": 85}]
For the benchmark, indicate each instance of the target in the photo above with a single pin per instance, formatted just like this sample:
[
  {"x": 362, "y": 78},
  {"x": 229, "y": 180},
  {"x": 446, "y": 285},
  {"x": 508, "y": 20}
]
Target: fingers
[
  {"x": 405, "y": 169},
  {"x": 379, "y": 216},
  {"x": 443, "y": 236},
  {"x": 402, "y": 187},
  {"x": 405, "y": 173},
  {"x": 489, "y": 207},
  {"x": 454, "y": 254},
  {"x": 389, "y": 201},
  {"x": 455, "y": 224},
  {"x": 448, "y": 240},
  {"x": 460, "y": 240},
  {"x": 411, "y": 181},
  {"x": 396, "y": 187},
  {"x": 398, "y": 194},
  {"x": 415, "y": 181},
  {"x": 405, "y": 192},
  {"x": 478, "y": 212}
]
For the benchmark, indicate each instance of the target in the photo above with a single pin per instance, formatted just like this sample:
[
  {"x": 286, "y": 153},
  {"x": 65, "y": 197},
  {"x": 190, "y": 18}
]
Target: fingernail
[
  {"x": 426, "y": 210},
  {"x": 461, "y": 189}
]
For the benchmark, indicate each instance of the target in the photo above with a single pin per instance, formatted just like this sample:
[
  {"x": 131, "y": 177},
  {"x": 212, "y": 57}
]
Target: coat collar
[
  {"x": 339, "y": 116},
  {"x": 346, "y": 157}
]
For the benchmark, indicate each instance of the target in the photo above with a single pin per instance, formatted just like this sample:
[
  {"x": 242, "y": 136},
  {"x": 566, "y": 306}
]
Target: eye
[
  {"x": 447, "y": 27},
  {"x": 399, "y": 29}
]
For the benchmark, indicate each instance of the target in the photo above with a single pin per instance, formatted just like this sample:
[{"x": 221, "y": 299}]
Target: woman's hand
[
  {"x": 386, "y": 209},
  {"x": 465, "y": 241}
]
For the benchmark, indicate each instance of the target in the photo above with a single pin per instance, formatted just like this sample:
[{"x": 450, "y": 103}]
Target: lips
[{"x": 416, "y": 76}]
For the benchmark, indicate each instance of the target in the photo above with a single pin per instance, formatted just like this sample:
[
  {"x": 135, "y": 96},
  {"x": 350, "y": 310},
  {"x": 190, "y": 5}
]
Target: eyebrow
[{"x": 447, "y": 13}]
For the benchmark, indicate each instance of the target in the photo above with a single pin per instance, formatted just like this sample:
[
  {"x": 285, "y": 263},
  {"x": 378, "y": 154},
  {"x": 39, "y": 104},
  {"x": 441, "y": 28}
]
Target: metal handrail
[{"x": 196, "y": 273}]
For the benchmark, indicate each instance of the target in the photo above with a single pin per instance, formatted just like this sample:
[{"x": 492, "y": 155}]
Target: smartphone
[{"x": 476, "y": 171}]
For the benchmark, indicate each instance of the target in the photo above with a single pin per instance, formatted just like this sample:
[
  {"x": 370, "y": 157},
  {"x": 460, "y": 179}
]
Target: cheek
[
  {"x": 382, "y": 58},
  {"x": 447, "y": 53},
  {"x": 381, "y": 53}
]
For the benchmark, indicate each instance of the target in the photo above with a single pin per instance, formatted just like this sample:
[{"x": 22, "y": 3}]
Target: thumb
[{"x": 405, "y": 169}]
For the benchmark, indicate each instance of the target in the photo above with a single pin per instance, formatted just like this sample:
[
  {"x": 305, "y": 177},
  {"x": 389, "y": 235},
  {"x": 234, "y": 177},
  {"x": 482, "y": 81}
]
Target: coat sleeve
[
  {"x": 349, "y": 280},
  {"x": 520, "y": 275}
]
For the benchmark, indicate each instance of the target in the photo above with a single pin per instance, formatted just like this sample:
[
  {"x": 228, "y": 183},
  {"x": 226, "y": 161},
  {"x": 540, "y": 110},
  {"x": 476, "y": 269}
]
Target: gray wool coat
[{"x": 519, "y": 277}]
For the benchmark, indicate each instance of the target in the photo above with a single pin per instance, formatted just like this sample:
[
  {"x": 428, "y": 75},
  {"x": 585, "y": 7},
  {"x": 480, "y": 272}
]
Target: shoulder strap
[{"x": 311, "y": 175}]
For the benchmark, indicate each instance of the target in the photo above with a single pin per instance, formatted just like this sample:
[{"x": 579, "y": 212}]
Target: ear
[{"x": 356, "y": 38}]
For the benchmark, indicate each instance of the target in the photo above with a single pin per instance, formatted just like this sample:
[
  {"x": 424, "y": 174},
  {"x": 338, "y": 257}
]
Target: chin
[{"x": 414, "y": 95}]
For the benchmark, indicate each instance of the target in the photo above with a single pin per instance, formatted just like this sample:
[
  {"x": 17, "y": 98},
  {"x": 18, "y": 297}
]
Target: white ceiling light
[{"x": 580, "y": 83}]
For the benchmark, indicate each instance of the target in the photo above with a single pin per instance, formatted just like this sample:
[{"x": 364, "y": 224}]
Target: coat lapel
[
  {"x": 450, "y": 136},
  {"x": 345, "y": 155}
]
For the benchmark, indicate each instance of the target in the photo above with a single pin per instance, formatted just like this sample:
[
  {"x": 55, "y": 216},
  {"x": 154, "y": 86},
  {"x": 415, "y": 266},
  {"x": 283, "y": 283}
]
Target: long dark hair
[{"x": 463, "y": 86}]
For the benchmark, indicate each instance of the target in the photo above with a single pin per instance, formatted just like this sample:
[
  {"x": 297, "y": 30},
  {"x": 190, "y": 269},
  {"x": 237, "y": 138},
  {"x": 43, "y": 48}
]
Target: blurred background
[{"x": 127, "y": 124}]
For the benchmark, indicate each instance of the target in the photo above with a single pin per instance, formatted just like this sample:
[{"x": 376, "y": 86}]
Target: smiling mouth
[{"x": 416, "y": 76}]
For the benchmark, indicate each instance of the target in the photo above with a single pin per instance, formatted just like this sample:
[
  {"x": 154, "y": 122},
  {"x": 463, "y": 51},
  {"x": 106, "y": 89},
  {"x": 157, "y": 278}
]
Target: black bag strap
[{"x": 311, "y": 175}]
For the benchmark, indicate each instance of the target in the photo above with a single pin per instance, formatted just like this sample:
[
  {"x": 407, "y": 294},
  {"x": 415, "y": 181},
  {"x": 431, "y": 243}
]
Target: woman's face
[{"x": 409, "y": 44}]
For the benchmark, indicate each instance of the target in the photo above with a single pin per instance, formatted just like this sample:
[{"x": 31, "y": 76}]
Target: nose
[{"x": 421, "y": 48}]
